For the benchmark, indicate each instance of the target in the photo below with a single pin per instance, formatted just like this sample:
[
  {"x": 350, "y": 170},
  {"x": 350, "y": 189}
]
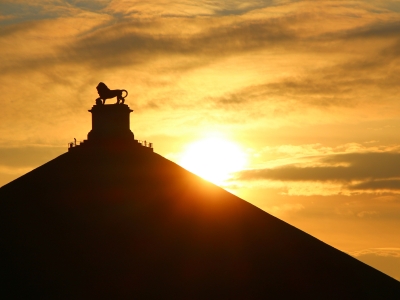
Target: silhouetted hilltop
[{"x": 105, "y": 223}]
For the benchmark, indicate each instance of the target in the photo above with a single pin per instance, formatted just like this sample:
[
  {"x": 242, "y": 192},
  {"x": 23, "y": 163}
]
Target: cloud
[
  {"x": 285, "y": 208},
  {"x": 202, "y": 63},
  {"x": 137, "y": 42},
  {"x": 187, "y": 8},
  {"x": 360, "y": 166},
  {"x": 366, "y": 213},
  {"x": 393, "y": 184},
  {"x": 353, "y": 82},
  {"x": 224, "y": 35},
  {"x": 357, "y": 172},
  {"x": 20, "y": 11}
]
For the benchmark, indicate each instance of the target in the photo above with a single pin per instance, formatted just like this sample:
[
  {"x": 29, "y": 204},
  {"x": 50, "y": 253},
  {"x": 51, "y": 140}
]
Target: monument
[{"x": 111, "y": 125}]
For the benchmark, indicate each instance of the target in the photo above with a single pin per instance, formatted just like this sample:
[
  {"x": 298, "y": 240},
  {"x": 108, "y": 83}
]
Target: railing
[
  {"x": 74, "y": 144},
  {"x": 146, "y": 144}
]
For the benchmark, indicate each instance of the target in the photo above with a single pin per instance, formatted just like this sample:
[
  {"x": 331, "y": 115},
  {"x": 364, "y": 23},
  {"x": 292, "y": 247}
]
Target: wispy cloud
[{"x": 349, "y": 172}]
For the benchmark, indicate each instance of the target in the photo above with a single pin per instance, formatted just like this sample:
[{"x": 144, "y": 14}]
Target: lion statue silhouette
[{"x": 105, "y": 93}]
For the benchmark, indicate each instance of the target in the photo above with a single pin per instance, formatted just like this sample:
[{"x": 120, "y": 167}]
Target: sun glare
[{"x": 214, "y": 159}]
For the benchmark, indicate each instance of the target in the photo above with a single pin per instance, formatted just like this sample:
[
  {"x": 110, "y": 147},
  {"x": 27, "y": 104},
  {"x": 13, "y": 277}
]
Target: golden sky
[{"x": 309, "y": 90}]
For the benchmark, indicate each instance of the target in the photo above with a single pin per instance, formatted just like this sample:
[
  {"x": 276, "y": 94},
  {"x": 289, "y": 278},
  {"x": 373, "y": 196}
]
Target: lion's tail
[{"x": 126, "y": 93}]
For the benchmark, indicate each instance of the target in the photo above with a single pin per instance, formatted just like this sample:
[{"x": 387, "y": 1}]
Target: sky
[{"x": 308, "y": 90}]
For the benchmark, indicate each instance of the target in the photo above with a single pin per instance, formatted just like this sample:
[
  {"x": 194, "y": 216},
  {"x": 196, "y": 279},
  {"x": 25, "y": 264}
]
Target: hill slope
[{"x": 90, "y": 225}]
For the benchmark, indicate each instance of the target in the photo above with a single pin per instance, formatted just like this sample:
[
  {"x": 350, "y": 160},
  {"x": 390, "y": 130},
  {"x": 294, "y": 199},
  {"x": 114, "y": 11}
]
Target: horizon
[{"x": 306, "y": 91}]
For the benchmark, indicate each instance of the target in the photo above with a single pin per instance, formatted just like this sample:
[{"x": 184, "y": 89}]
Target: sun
[{"x": 214, "y": 159}]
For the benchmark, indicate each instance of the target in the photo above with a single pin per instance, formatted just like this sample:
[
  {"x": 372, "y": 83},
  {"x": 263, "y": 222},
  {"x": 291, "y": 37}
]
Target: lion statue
[{"x": 105, "y": 93}]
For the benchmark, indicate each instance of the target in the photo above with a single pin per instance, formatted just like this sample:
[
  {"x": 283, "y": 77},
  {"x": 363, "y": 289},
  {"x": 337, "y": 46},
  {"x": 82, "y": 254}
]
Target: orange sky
[{"x": 309, "y": 89}]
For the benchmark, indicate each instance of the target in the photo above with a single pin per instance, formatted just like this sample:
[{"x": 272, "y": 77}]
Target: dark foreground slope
[{"x": 137, "y": 226}]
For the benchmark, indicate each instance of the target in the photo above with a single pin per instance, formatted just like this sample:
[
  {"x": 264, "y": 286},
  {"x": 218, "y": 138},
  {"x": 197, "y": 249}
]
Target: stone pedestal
[
  {"x": 110, "y": 123},
  {"x": 111, "y": 131}
]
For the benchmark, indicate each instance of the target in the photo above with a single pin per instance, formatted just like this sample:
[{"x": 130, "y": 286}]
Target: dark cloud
[
  {"x": 125, "y": 42},
  {"x": 119, "y": 45},
  {"x": 390, "y": 184},
  {"x": 294, "y": 173},
  {"x": 345, "y": 84},
  {"x": 378, "y": 30},
  {"x": 133, "y": 42},
  {"x": 21, "y": 12},
  {"x": 20, "y": 28},
  {"x": 25, "y": 11},
  {"x": 392, "y": 5},
  {"x": 236, "y": 7},
  {"x": 28, "y": 11},
  {"x": 92, "y": 5},
  {"x": 377, "y": 171},
  {"x": 122, "y": 40}
]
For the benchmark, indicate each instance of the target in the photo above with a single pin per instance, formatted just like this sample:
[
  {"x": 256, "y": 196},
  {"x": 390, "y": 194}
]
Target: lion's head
[{"x": 102, "y": 88}]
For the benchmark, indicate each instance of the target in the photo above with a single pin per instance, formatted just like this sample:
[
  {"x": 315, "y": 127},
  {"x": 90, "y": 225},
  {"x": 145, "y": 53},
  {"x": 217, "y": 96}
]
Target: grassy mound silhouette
[{"x": 94, "y": 224}]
